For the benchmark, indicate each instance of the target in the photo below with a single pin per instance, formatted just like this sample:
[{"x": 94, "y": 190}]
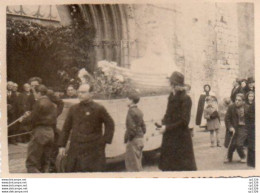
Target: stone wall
[
  {"x": 206, "y": 41},
  {"x": 246, "y": 39}
]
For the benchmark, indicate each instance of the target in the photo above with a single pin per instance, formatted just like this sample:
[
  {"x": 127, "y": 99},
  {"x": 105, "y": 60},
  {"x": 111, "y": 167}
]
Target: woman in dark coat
[
  {"x": 201, "y": 104},
  {"x": 177, "y": 149}
]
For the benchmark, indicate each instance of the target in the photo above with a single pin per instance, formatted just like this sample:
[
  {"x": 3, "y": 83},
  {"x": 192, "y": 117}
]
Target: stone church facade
[{"x": 211, "y": 43}]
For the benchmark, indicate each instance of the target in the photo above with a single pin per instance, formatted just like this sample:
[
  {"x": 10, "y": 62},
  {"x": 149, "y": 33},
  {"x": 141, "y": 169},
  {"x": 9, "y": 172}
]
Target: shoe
[
  {"x": 243, "y": 160},
  {"x": 227, "y": 160}
]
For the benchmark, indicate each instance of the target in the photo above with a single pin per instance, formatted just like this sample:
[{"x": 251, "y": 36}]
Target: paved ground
[{"x": 207, "y": 158}]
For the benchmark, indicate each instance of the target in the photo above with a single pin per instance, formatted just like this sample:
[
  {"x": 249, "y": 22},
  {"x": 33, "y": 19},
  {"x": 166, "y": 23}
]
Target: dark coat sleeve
[
  {"x": 109, "y": 125},
  {"x": 228, "y": 117},
  {"x": 65, "y": 133},
  {"x": 43, "y": 113},
  {"x": 58, "y": 102},
  {"x": 200, "y": 109},
  {"x": 250, "y": 115},
  {"x": 36, "y": 111},
  {"x": 234, "y": 92},
  {"x": 131, "y": 125},
  {"x": 184, "y": 116}
]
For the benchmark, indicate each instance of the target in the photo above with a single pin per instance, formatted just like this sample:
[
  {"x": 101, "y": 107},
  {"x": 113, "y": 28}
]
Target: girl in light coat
[{"x": 213, "y": 120}]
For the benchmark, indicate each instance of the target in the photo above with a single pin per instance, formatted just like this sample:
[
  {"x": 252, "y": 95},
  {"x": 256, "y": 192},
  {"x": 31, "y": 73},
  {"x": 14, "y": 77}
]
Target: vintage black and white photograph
[{"x": 150, "y": 87}]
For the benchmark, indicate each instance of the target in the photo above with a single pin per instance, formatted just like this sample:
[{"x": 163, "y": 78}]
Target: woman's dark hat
[{"x": 177, "y": 78}]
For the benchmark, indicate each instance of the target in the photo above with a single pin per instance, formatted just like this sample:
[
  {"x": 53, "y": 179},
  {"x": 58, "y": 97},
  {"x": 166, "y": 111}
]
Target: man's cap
[{"x": 250, "y": 80}]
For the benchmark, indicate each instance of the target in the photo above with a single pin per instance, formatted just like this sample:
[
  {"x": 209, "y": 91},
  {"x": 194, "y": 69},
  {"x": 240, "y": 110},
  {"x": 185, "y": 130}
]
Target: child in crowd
[
  {"x": 213, "y": 120},
  {"x": 135, "y": 130},
  {"x": 250, "y": 97}
]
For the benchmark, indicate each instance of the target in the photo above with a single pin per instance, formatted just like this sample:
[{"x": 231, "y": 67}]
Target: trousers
[
  {"x": 238, "y": 143},
  {"x": 40, "y": 149},
  {"x": 133, "y": 156}
]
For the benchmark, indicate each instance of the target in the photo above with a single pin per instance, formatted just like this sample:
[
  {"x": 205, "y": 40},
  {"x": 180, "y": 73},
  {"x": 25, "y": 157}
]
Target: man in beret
[
  {"x": 83, "y": 125},
  {"x": 235, "y": 124},
  {"x": 42, "y": 119}
]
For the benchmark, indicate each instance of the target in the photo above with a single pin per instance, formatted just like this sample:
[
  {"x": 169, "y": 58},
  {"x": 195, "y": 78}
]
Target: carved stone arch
[
  {"x": 115, "y": 33},
  {"x": 111, "y": 26},
  {"x": 98, "y": 29}
]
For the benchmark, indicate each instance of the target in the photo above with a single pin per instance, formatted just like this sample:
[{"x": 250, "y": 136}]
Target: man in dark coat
[
  {"x": 83, "y": 125},
  {"x": 24, "y": 103},
  {"x": 11, "y": 112},
  {"x": 41, "y": 119},
  {"x": 235, "y": 123},
  {"x": 235, "y": 90},
  {"x": 177, "y": 148},
  {"x": 250, "y": 126}
]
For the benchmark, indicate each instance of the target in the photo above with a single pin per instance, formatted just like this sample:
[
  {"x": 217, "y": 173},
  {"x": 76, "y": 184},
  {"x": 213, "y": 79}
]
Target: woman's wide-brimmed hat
[{"x": 177, "y": 79}]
